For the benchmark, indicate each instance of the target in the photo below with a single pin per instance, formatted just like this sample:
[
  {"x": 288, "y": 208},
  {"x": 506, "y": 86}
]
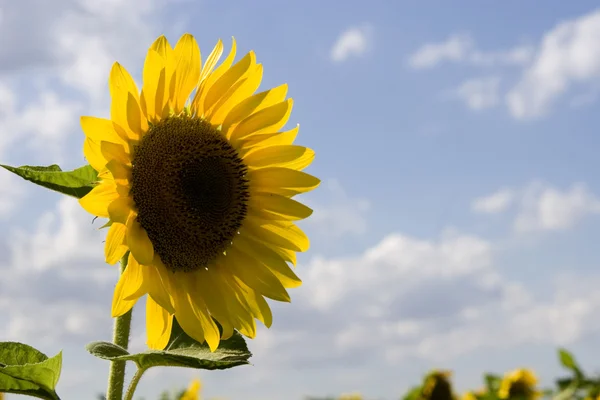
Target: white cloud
[
  {"x": 48, "y": 274},
  {"x": 397, "y": 258},
  {"x": 352, "y": 43},
  {"x": 541, "y": 207},
  {"x": 43, "y": 123},
  {"x": 547, "y": 208},
  {"x": 429, "y": 300},
  {"x": 455, "y": 48},
  {"x": 494, "y": 203},
  {"x": 63, "y": 234},
  {"x": 568, "y": 54},
  {"x": 460, "y": 48},
  {"x": 91, "y": 39},
  {"x": 479, "y": 93}
]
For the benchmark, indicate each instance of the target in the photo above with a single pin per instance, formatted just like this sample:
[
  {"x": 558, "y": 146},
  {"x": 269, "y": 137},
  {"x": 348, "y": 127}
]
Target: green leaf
[
  {"x": 492, "y": 383},
  {"x": 568, "y": 361},
  {"x": 413, "y": 393},
  {"x": 76, "y": 183},
  {"x": 181, "y": 351},
  {"x": 25, "y": 370}
]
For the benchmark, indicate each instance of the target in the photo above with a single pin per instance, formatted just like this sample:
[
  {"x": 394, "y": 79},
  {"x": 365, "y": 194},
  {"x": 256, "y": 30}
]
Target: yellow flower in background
[
  {"x": 351, "y": 396},
  {"x": 519, "y": 383},
  {"x": 193, "y": 391},
  {"x": 473, "y": 395},
  {"x": 197, "y": 182},
  {"x": 437, "y": 386},
  {"x": 469, "y": 396}
]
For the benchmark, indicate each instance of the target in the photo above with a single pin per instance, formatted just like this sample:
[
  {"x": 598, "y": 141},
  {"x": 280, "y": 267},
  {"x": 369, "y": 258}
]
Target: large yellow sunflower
[{"x": 197, "y": 182}]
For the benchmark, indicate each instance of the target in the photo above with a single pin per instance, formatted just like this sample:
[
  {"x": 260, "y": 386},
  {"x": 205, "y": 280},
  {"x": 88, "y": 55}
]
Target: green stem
[
  {"x": 116, "y": 374},
  {"x": 134, "y": 383}
]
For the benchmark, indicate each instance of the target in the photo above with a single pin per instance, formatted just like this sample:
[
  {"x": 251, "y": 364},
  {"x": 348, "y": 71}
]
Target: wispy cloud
[
  {"x": 568, "y": 54},
  {"x": 550, "y": 209},
  {"x": 353, "y": 42},
  {"x": 461, "y": 48},
  {"x": 480, "y": 93},
  {"x": 541, "y": 207},
  {"x": 494, "y": 203}
]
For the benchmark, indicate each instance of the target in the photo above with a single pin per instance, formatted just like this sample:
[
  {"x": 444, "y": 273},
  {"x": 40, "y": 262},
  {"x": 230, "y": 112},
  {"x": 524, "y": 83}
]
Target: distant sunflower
[
  {"x": 197, "y": 182},
  {"x": 192, "y": 392},
  {"x": 437, "y": 386},
  {"x": 519, "y": 384}
]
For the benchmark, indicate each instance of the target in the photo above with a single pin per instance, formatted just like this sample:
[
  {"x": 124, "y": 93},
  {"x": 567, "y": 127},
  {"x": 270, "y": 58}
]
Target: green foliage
[
  {"x": 76, "y": 183},
  {"x": 181, "y": 351},
  {"x": 25, "y": 370}
]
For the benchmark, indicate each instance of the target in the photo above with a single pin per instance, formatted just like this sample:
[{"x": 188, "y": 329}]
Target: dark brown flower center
[
  {"x": 520, "y": 390},
  {"x": 190, "y": 191}
]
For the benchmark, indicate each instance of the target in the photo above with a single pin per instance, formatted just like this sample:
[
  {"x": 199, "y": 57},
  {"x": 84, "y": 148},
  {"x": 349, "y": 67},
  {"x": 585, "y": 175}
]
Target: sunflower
[
  {"x": 437, "y": 386},
  {"x": 519, "y": 384},
  {"x": 197, "y": 181},
  {"x": 192, "y": 392}
]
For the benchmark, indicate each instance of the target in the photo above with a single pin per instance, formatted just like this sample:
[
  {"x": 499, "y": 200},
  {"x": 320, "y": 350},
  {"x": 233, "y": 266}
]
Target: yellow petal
[
  {"x": 294, "y": 157},
  {"x": 211, "y": 331},
  {"x": 253, "y": 104},
  {"x": 267, "y": 120},
  {"x": 121, "y": 173},
  {"x": 240, "y": 312},
  {"x": 277, "y": 207},
  {"x": 187, "y": 318},
  {"x": 135, "y": 119},
  {"x": 287, "y": 255},
  {"x": 276, "y": 264},
  {"x": 283, "y": 181},
  {"x": 198, "y": 102},
  {"x": 125, "y": 102},
  {"x": 153, "y": 99},
  {"x": 97, "y": 200},
  {"x": 120, "y": 81},
  {"x": 222, "y": 85},
  {"x": 286, "y": 235},
  {"x": 113, "y": 151},
  {"x": 138, "y": 241},
  {"x": 114, "y": 247},
  {"x": 187, "y": 70},
  {"x": 119, "y": 209},
  {"x": 272, "y": 139},
  {"x": 162, "y": 47},
  {"x": 165, "y": 51},
  {"x": 100, "y": 129},
  {"x": 238, "y": 92},
  {"x": 158, "y": 325},
  {"x": 255, "y": 275},
  {"x": 129, "y": 283},
  {"x": 159, "y": 287},
  {"x": 211, "y": 61},
  {"x": 257, "y": 304},
  {"x": 213, "y": 296},
  {"x": 93, "y": 154}
]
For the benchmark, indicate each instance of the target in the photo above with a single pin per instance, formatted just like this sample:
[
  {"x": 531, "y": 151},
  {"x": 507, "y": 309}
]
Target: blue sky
[{"x": 457, "y": 221}]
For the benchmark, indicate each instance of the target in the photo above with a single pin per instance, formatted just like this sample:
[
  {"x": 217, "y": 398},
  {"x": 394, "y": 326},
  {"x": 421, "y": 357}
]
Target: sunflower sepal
[
  {"x": 76, "y": 183},
  {"x": 181, "y": 351},
  {"x": 27, "y": 371}
]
